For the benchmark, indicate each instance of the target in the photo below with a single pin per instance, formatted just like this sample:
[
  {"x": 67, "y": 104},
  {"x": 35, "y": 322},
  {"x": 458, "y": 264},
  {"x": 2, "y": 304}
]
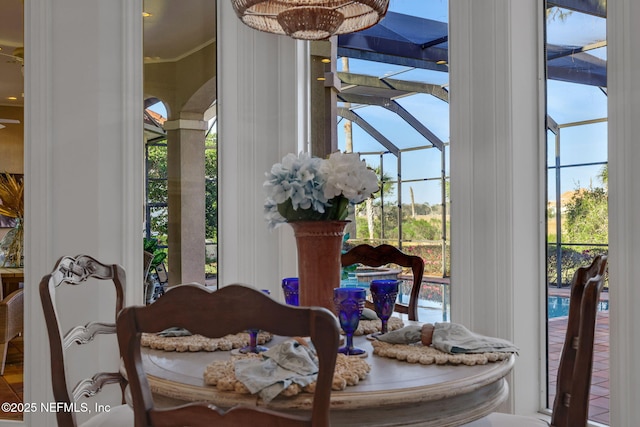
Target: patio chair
[
  {"x": 81, "y": 272},
  {"x": 232, "y": 309},
  {"x": 571, "y": 405},
  {"x": 386, "y": 254}
]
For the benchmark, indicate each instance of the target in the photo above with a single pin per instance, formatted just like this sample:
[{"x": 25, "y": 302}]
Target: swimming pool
[{"x": 558, "y": 306}]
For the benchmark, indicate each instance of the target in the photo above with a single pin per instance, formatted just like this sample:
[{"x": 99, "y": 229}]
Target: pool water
[
  {"x": 430, "y": 311},
  {"x": 558, "y": 306}
]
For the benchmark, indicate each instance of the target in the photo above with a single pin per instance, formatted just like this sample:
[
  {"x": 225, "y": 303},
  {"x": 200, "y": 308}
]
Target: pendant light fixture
[{"x": 310, "y": 19}]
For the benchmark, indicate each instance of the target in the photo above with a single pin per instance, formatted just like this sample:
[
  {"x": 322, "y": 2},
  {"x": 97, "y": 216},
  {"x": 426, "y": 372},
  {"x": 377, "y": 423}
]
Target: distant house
[{"x": 565, "y": 199}]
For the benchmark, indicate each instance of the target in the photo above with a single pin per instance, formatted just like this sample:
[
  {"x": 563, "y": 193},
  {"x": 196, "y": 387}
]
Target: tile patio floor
[{"x": 599, "y": 408}]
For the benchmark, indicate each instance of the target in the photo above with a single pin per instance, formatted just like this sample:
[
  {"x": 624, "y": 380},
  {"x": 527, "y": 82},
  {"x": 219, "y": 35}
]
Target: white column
[
  {"x": 261, "y": 119},
  {"x": 186, "y": 198},
  {"x": 497, "y": 204},
  {"x": 83, "y": 162},
  {"x": 623, "y": 70}
]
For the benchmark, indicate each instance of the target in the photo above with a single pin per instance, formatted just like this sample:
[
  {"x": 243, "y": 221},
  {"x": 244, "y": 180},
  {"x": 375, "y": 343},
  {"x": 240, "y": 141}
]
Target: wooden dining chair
[
  {"x": 231, "y": 309},
  {"x": 386, "y": 254},
  {"x": 77, "y": 272},
  {"x": 571, "y": 404}
]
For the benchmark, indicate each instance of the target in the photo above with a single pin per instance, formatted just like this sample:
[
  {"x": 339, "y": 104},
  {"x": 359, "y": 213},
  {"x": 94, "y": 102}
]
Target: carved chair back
[
  {"x": 386, "y": 254},
  {"x": 571, "y": 405},
  {"x": 84, "y": 271},
  {"x": 229, "y": 310}
]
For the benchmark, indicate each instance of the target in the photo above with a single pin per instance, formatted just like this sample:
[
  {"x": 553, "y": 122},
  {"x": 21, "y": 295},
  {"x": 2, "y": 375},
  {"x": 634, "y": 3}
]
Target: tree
[
  {"x": 158, "y": 193},
  {"x": 387, "y": 188},
  {"x": 604, "y": 175},
  {"x": 157, "y": 190},
  {"x": 421, "y": 229},
  {"x": 413, "y": 203},
  {"x": 211, "y": 186},
  {"x": 586, "y": 217}
]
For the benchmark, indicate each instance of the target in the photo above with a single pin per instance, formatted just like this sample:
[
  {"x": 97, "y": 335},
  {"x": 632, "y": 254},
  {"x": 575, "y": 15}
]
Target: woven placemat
[
  {"x": 366, "y": 327},
  {"x": 201, "y": 343},
  {"x": 418, "y": 353},
  {"x": 349, "y": 371}
]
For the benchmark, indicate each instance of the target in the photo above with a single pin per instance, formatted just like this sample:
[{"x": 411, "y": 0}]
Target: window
[
  {"x": 399, "y": 123},
  {"x": 180, "y": 134},
  {"x": 577, "y": 174}
]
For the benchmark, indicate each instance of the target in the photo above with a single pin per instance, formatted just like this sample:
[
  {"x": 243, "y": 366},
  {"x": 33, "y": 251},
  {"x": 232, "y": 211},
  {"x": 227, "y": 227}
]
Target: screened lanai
[{"x": 415, "y": 51}]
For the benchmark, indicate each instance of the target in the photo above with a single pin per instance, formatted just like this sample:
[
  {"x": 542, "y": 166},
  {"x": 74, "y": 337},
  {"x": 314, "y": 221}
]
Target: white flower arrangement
[{"x": 305, "y": 188}]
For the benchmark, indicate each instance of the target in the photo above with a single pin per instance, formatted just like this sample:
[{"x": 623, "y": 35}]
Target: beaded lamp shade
[{"x": 310, "y": 19}]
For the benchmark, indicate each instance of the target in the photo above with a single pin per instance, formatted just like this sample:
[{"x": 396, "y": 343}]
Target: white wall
[
  {"x": 496, "y": 180},
  {"x": 83, "y": 158},
  {"x": 261, "y": 98},
  {"x": 623, "y": 72}
]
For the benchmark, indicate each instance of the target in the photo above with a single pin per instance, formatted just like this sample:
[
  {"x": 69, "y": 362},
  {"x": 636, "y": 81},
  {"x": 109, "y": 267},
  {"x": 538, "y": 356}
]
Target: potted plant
[{"x": 155, "y": 273}]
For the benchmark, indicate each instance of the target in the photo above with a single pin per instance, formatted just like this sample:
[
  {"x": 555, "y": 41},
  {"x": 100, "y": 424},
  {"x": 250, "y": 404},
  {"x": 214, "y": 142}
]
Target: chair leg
[{"x": 3, "y": 354}]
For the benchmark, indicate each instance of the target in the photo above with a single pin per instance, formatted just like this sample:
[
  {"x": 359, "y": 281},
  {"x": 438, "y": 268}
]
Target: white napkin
[
  {"x": 174, "y": 332},
  {"x": 450, "y": 338},
  {"x": 283, "y": 364},
  {"x": 407, "y": 335},
  {"x": 455, "y": 338},
  {"x": 368, "y": 314}
]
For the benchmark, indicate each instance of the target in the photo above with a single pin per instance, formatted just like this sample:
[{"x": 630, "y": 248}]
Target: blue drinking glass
[
  {"x": 290, "y": 290},
  {"x": 384, "y": 294},
  {"x": 349, "y": 303},
  {"x": 253, "y": 346}
]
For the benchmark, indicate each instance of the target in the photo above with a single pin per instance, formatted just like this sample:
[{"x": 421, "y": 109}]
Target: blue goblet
[
  {"x": 253, "y": 346},
  {"x": 290, "y": 290},
  {"x": 349, "y": 303},
  {"x": 384, "y": 293}
]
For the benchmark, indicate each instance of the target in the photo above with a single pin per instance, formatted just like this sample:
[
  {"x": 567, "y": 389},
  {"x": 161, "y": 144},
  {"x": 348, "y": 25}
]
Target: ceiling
[
  {"x": 177, "y": 28},
  {"x": 11, "y": 37},
  {"x": 174, "y": 29}
]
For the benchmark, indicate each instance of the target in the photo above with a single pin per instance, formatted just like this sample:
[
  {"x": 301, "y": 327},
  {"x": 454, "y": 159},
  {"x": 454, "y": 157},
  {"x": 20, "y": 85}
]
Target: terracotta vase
[{"x": 319, "y": 246}]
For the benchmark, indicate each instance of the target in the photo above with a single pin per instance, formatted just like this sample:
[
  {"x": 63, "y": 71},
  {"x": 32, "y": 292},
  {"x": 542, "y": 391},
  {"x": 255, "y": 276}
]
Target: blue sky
[
  {"x": 571, "y": 103},
  {"x": 432, "y": 112}
]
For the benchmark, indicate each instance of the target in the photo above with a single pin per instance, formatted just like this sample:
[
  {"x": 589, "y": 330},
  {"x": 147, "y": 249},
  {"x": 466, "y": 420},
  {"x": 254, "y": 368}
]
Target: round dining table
[{"x": 394, "y": 393}]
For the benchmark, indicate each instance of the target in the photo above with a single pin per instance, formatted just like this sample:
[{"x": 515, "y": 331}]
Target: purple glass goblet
[
  {"x": 290, "y": 290},
  {"x": 349, "y": 303},
  {"x": 384, "y": 293},
  {"x": 253, "y": 346}
]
